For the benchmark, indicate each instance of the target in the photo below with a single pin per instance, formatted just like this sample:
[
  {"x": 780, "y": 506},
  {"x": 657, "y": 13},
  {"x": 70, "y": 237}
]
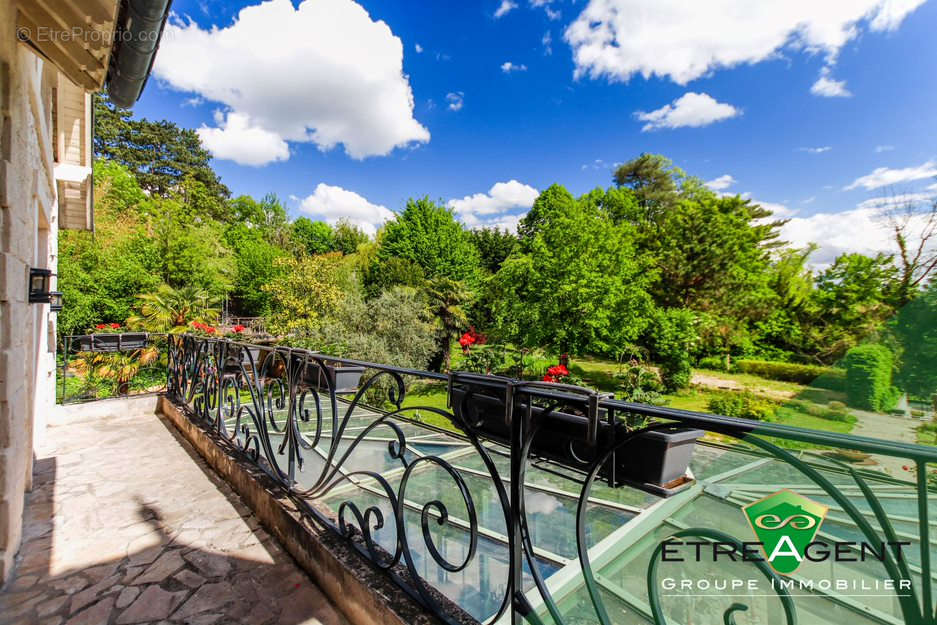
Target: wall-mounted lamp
[
  {"x": 39, "y": 285},
  {"x": 56, "y": 300}
]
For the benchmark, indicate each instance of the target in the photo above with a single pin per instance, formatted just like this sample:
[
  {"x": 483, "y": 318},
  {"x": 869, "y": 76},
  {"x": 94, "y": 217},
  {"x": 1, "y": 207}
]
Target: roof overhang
[{"x": 77, "y": 36}]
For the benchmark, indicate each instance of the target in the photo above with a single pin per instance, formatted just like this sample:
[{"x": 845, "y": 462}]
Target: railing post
[{"x": 516, "y": 544}]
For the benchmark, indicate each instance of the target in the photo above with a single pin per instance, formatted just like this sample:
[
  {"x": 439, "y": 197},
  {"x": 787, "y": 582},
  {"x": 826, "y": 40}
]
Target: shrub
[
  {"x": 744, "y": 405},
  {"x": 714, "y": 363},
  {"x": 784, "y": 371},
  {"x": 834, "y": 411},
  {"x": 868, "y": 378},
  {"x": 674, "y": 334}
]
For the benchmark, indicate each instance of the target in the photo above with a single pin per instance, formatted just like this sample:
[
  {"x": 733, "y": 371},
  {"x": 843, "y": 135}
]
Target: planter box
[
  {"x": 655, "y": 461},
  {"x": 83, "y": 343},
  {"x": 118, "y": 342},
  {"x": 345, "y": 379}
]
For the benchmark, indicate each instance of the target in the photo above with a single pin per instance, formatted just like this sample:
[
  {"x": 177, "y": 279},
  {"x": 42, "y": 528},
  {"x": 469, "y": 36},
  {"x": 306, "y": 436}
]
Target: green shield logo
[{"x": 785, "y": 523}]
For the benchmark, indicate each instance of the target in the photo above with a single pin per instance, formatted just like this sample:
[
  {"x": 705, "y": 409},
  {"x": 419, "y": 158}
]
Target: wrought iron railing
[
  {"x": 508, "y": 500},
  {"x": 114, "y": 364}
]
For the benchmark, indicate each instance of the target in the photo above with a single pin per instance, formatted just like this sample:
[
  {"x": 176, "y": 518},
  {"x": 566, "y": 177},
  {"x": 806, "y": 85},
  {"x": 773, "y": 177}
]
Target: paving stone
[
  {"x": 208, "y": 597},
  {"x": 154, "y": 536},
  {"x": 51, "y": 606},
  {"x": 153, "y": 604},
  {"x": 166, "y": 565},
  {"x": 98, "y": 613},
  {"x": 70, "y": 584},
  {"x": 189, "y": 578},
  {"x": 91, "y": 594},
  {"x": 209, "y": 564},
  {"x": 126, "y": 597}
]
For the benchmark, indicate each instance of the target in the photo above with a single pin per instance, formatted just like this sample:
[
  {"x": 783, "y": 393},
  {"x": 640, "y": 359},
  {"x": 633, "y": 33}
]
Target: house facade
[{"x": 53, "y": 55}]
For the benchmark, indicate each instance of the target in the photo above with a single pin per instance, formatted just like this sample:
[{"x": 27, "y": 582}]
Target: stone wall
[{"x": 28, "y": 234}]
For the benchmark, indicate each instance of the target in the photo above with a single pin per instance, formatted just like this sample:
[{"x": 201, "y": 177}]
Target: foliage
[
  {"x": 869, "y": 376},
  {"x": 395, "y": 328},
  {"x": 915, "y": 331},
  {"x": 640, "y": 384},
  {"x": 673, "y": 337},
  {"x": 833, "y": 411},
  {"x": 573, "y": 284},
  {"x": 428, "y": 235},
  {"x": 314, "y": 237},
  {"x": 744, "y": 405},
  {"x": 382, "y": 275},
  {"x": 348, "y": 237},
  {"x": 494, "y": 245},
  {"x": 653, "y": 179},
  {"x": 787, "y": 371},
  {"x": 303, "y": 292},
  {"x": 172, "y": 310},
  {"x": 447, "y": 299},
  {"x": 162, "y": 156},
  {"x": 255, "y": 264}
]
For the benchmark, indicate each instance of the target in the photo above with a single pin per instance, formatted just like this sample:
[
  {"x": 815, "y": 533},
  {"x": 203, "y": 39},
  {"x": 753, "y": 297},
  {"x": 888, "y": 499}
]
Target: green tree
[
  {"x": 314, "y": 237},
  {"x": 554, "y": 200},
  {"x": 653, "y": 179},
  {"x": 853, "y": 297},
  {"x": 916, "y": 333},
  {"x": 160, "y": 154},
  {"x": 494, "y": 245},
  {"x": 674, "y": 337},
  {"x": 447, "y": 301},
  {"x": 304, "y": 292},
  {"x": 429, "y": 235},
  {"x": 574, "y": 284},
  {"x": 348, "y": 237}
]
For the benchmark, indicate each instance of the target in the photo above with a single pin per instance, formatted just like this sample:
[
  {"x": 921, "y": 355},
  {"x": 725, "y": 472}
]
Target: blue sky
[{"x": 794, "y": 104}]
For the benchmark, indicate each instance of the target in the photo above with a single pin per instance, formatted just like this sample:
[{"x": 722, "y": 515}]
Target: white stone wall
[{"x": 28, "y": 234}]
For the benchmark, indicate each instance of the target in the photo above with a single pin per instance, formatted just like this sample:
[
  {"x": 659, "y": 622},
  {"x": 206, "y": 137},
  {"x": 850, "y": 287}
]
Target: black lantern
[
  {"x": 39, "y": 286},
  {"x": 55, "y": 301}
]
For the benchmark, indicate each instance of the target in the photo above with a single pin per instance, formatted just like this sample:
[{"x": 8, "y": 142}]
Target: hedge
[
  {"x": 868, "y": 378},
  {"x": 812, "y": 375},
  {"x": 745, "y": 405}
]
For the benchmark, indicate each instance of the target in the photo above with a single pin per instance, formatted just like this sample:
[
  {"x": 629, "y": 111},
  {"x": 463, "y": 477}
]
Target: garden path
[{"x": 126, "y": 524}]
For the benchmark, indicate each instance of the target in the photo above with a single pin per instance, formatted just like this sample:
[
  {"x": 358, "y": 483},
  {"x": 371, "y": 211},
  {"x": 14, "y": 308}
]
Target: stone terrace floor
[{"x": 127, "y": 524}]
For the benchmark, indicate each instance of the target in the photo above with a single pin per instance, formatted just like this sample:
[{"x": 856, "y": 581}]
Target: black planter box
[
  {"x": 116, "y": 342},
  {"x": 345, "y": 379},
  {"x": 83, "y": 343},
  {"x": 655, "y": 461}
]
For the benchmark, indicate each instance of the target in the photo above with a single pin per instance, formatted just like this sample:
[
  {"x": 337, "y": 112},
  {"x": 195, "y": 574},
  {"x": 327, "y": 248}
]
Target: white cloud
[
  {"x": 828, "y": 88},
  {"x": 721, "y": 183},
  {"x": 504, "y": 8},
  {"x": 819, "y": 150},
  {"x": 238, "y": 140},
  {"x": 333, "y": 204},
  {"x": 323, "y": 72},
  {"x": 690, "y": 109},
  {"x": 883, "y": 176},
  {"x": 418, "y": 48},
  {"x": 507, "y": 67},
  {"x": 547, "y": 41},
  {"x": 883, "y": 148},
  {"x": 860, "y": 230},
  {"x": 553, "y": 14},
  {"x": 681, "y": 40},
  {"x": 455, "y": 100},
  {"x": 495, "y": 208}
]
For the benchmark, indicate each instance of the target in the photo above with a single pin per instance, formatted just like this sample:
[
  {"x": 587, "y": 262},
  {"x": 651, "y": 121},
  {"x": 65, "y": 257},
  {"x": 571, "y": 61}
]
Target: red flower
[
  {"x": 115, "y": 325},
  {"x": 549, "y": 378},
  {"x": 558, "y": 371},
  {"x": 101, "y": 326},
  {"x": 238, "y": 328},
  {"x": 466, "y": 340}
]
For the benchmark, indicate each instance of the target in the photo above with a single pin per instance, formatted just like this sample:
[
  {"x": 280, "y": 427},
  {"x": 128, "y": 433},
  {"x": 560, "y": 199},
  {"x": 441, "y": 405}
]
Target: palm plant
[
  {"x": 447, "y": 298},
  {"x": 119, "y": 367},
  {"x": 173, "y": 309}
]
